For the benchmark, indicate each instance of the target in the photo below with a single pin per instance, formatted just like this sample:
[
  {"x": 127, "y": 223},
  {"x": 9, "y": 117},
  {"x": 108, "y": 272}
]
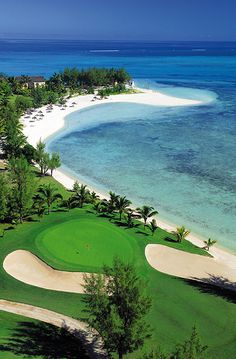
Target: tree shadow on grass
[
  {"x": 59, "y": 209},
  {"x": 215, "y": 285},
  {"x": 44, "y": 340},
  {"x": 10, "y": 228},
  {"x": 142, "y": 233},
  {"x": 31, "y": 219},
  {"x": 90, "y": 211},
  {"x": 169, "y": 239},
  {"x": 105, "y": 215},
  {"x": 125, "y": 225}
]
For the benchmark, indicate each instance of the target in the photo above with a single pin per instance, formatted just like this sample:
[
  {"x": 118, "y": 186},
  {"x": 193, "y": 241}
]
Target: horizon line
[{"x": 2, "y": 38}]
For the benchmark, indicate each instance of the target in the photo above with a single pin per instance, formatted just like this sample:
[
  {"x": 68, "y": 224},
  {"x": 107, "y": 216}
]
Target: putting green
[{"x": 84, "y": 242}]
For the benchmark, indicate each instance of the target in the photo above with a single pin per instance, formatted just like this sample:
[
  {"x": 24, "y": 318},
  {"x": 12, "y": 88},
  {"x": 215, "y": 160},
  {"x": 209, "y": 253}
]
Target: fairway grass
[
  {"x": 84, "y": 243},
  {"x": 8, "y": 324},
  {"x": 22, "y": 337},
  {"x": 79, "y": 240}
]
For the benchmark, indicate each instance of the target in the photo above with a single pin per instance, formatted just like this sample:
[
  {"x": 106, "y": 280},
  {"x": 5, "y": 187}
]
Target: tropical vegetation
[
  {"x": 181, "y": 233},
  {"x": 79, "y": 239},
  {"x": 191, "y": 348},
  {"x": 117, "y": 306},
  {"x": 36, "y": 212},
  {"x": 209, "y": 243},
  {"x": 146, "y": 212}
]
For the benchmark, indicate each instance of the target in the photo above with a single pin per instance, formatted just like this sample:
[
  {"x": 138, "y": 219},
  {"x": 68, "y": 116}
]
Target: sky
[{"x": 154, "y": 20}]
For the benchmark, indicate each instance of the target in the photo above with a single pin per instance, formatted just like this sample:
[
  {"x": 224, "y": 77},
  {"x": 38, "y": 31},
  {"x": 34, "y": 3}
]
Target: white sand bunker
[
  {"x": 190, "y": 266},
  {"x": 90, "y": 338},
  {"x": 28, "y": 268}
]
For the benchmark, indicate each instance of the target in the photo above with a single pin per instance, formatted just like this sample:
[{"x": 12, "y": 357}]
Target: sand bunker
[
  {"x": 89, "y": 337},
  {"x": 28, "y": 268},
  {"x": 190, "y": 266}
]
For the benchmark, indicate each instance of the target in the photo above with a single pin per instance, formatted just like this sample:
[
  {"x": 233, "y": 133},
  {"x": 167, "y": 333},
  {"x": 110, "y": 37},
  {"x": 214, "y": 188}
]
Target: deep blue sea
[{"x": 180, "y": 160}]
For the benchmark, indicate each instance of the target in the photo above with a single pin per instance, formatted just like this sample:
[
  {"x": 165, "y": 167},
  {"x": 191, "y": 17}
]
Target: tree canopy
[{"x": 117, "y": 305}]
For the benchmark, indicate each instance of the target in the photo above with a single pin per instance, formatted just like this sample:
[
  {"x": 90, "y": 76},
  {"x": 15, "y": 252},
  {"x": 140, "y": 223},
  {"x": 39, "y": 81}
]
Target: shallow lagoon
[{"x": 180, "y": 160}]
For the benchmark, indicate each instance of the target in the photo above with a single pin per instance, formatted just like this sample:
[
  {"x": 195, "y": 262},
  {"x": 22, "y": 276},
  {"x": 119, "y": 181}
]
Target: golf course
[{"x": 80, "y": 240}]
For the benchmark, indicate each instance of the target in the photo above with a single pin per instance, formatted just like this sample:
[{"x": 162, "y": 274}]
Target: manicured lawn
[
  {"x": 8, "y": 324},
  {"x": 80, "y": 240},
  {"x": 79, "y": 243},
  {"x": 22, "y": 337}
]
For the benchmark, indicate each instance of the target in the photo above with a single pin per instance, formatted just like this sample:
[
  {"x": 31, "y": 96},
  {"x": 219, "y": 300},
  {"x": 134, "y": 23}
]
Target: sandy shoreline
[{"x": 54, "y": 121}]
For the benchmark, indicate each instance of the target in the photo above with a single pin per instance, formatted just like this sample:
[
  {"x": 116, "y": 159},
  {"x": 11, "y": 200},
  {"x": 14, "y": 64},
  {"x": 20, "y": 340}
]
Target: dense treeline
[
  {"x": 87, "y": 79},
  {"x": 59, "y": 85},
  {"x": 19, "y": 195},
  {"x": 16, "y": 98}
]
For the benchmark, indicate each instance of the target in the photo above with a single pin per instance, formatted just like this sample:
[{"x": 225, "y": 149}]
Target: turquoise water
[
  {"x": 180, "y": 160},
  {"x": 157, "y": 156}
]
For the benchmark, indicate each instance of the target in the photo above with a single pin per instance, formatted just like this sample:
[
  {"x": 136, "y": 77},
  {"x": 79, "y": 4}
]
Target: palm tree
[
  {"x": 113, "y": 198},
  {"x": 69, "y": 203},
  {"x": 94, "y": 197},
  {"x": 181, "y": 233},
  {"x": 111, "y": 203},
  {"x": 145, "y": 213},
  {"x": 76, "y": 187},
  {"x": 49, "y": 195},
  {"x": 39, "y": 205},
  {"x": 81, "y": 194},
  {"x": 97, "y": 206},
  {"x": 153, "y": 226},
  {"x": 122, "y": 203},
  {"x": 209, "y": 243},
  {"x": 129, "y": 217}
]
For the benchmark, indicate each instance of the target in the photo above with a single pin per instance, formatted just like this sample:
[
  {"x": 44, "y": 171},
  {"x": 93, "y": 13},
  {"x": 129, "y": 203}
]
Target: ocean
[{"x": 182, "y": 161}]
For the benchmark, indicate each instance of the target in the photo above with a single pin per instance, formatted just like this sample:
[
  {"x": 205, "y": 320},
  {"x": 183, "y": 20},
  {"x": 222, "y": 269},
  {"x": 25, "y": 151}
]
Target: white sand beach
[
  {"x": 47, "y": 125},
  {"x": 54, "y": 121}
]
